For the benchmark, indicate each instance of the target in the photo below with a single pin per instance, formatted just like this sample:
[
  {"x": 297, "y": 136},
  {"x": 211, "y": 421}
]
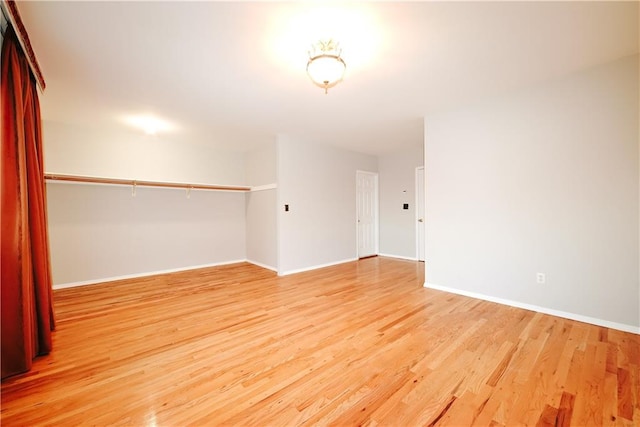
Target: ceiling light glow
[
  {"x": 355, "y": 26},
  {"x": 150, "y": 124}
]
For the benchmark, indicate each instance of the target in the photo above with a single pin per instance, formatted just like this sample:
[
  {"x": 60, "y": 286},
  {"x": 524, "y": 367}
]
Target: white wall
[
  {"x": 261, "y": 207},
  {"x": 261, "y": 165},
  {"x": 397, "y": 186},
  {"x": 262, "y": 236},
  {"x": 134, "y": 155},
  {"x": 99, "y": 232},
  {"x": 545, "y": 180},
  {"x": 318, "y": 184}
]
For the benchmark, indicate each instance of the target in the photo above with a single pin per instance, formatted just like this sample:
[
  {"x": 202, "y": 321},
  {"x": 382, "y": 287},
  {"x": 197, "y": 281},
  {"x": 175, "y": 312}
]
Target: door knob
[{"x": 420, "y": 220}]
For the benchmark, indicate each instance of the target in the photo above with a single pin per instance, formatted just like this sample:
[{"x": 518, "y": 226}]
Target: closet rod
[{"x": 97, "y": 180}]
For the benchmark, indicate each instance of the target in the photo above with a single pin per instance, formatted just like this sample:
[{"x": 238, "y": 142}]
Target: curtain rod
[
  {"x": 134, "y": 183},
  {"x": 10, "y": 10}
]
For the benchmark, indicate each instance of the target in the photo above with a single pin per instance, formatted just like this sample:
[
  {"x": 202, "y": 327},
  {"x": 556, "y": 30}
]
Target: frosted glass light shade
[
  {"x": 325, "y": 67},
  {"x": 326, "y": 70}
]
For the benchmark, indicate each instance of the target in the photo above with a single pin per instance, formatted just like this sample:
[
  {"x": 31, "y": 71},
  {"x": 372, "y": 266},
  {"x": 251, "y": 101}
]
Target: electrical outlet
[{"x": 541, "y": 278}]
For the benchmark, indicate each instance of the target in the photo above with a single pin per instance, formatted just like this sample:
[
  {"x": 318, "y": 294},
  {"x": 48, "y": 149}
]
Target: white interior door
[
  {"x": 420, "y": 244},
  {"x": 367, "y": 213}
]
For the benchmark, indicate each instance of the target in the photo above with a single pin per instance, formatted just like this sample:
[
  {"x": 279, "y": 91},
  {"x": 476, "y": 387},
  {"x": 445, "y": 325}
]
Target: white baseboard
[
  {"x": 315, "y": 267},
  {"x": 259, "y": 264},
  {"x": 399, "y": 257},
  {"x": 145, "y": 274},
  {"x": 580, "y": 318}
]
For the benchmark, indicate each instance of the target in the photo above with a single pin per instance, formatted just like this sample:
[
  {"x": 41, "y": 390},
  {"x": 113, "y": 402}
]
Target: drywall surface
[
  {"x": 260, "y": 165},
  {"x": 100, "y": 232},
  {"x": 541, "y": 181},
  {"x": 134, "y": 155},
  {"x": 318, "y": 182},
  {"x": 261, "y": 211},
  {"x": 261, "y": 207},
  {"x": 397, "y": 187}
]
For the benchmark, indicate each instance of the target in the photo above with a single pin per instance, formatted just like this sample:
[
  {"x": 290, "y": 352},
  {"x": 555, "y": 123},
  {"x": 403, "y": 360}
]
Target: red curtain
[{"x": 26, "y": 295}]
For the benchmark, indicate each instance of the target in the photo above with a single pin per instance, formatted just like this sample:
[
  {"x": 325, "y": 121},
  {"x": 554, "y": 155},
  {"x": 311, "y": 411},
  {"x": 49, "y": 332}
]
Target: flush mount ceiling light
[{"x": 325, "y": 67}]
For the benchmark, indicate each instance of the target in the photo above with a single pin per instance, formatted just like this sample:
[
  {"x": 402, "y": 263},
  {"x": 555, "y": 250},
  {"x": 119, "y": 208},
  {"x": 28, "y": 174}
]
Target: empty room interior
[{"x": 320, "y": 213}]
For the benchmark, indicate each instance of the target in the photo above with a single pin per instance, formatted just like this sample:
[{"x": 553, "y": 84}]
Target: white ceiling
[{"x": 232, "y": 74}]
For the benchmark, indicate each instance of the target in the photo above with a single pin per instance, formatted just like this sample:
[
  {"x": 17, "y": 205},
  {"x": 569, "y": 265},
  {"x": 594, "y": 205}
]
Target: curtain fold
[{"x": 26, "y": 294}]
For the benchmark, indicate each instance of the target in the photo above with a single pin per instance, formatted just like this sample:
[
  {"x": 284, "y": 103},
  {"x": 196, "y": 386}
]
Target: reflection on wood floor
[{"x": 358, "y": 343}]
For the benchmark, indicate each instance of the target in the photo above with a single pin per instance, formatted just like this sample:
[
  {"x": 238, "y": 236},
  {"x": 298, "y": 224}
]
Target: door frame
[
  {"x": 417, "y": 216},
  {"x": 376, "y": 216}
]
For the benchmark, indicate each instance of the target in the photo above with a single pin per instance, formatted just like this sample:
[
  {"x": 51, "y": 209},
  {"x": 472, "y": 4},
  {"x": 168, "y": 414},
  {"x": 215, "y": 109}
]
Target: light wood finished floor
[{"x": 359, "y": 343}]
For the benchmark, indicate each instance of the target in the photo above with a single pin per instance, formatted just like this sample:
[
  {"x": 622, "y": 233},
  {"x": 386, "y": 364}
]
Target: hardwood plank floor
[{"x": 358, "y": 343}]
